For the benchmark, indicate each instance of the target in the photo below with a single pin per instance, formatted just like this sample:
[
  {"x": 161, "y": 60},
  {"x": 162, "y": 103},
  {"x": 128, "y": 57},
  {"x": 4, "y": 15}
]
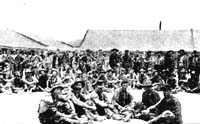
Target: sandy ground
[{"x": 22, "y": 108}]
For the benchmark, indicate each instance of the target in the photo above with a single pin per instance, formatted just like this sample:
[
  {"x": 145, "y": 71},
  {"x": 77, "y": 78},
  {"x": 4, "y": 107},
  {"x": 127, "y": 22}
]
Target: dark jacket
[
  {"x": 150, "y": 97},
  {"x": 172, "y": 104},
  {"x": 113, "y": 60}
]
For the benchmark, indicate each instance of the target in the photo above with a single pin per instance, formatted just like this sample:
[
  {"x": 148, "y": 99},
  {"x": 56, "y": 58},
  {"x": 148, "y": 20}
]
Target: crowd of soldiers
[{"x": 79, "y": 83}]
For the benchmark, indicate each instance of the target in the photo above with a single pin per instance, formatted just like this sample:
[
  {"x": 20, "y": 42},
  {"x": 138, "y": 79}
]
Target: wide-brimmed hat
[
  {"x": 56, "y": 86},
  {"x": 67, "y": 79},
  {"x": 110, "y": 70},
  {"x": 166, "y": 87},
  {"x": 114, "y": 50},
  {"x": 193, "y": 72},
  {"x": 172, "y": 74},
  {"x": 77, "y": 82},
  {"x": 126, "y": 51},
  {"x": 122, "y": 69},
  {"x": 100, "y": 83},
  {"x": 78, "y": 72},
  {"x": 181, "y": 51},
  {"x": 42, "y": 69},
  {"x": 125, "y": 81},
  {"x": 17, "y": 73},
  {"x": 149, "y": 51},
  {"x": 142, "y": 70},
  {"x": 170, "y": 52},
  {"x": 28, "y": 70},
  {"x": 99, "y": 63},
  {"x": 194, "y": 51},
  {"x": 54, "y": 70},
  {"x": 150, "y": 70},
  {"x": 147, "y": 83},
  {"x": 183, "y": 70}
]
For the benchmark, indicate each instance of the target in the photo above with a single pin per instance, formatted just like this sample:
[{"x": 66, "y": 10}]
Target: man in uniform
[
  {"x": 126, "y": 61},
  {"x": 82, "y": 107},
  {"x": 100, "y": 99},
  {"x": 49, "y": 108},
  {"x": 194, "y": 62},
  {"x": 17, "y": 84},
  {"x": 168, "y": 109},
  {"x": 149, "y": 97},
  {"x": 123, "y": 101},
  {"x": 193, "y": 83},
  {"x": 114, "y": 59}
]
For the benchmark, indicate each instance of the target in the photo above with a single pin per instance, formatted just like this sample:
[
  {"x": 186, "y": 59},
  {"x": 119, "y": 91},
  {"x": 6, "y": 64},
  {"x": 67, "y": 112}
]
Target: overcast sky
[{"x": 69, "y": 19}]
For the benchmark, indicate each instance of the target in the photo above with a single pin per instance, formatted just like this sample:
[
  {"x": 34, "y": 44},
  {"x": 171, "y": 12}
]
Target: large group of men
[{"x": 79, "y": 83}]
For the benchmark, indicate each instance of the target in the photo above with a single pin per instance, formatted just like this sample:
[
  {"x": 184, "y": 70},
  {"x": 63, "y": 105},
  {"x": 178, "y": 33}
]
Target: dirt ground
[{"x": 22, "y": 108}]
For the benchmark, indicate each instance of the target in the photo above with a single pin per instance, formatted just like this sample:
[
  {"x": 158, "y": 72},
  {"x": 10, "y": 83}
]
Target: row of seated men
[{"x": 67, "y": 104}]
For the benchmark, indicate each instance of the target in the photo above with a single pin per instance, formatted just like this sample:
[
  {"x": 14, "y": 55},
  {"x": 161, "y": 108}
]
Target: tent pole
[
  {"x": 192, "y": 38},
  {"x": 160, "y": 26}
]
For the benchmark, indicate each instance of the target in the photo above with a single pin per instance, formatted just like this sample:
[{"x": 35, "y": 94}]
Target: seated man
[
  {"x": 143, "y": 77},
  {"x": 123, "y": 101},
  {"x": 182, "y": 80},
  {"x": 29, "y": 79},
  {"x": 111, "y": 79},
  {"x": 53, "y": 110},
  {"x": 193, "y": 83},
  {"x": 42, "y": 79},
  {"x": 168, "y": 110},
  {"x": 171, "y": 81},
  {"x": 82, "y": 107},
  {"x": 3, "y": 83},
  {"x": 157, "y": 81},
  {"x": 101, "y": 101},
  {"x": 17, "y": 84},
  {"x": 149, "y": 97}
]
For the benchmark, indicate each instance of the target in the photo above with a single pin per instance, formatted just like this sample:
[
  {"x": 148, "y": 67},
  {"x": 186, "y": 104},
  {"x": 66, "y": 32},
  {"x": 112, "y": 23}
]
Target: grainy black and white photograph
[{"x": 99, "y": 61}]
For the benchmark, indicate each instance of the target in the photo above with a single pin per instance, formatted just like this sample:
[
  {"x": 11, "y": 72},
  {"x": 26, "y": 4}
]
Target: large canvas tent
[
  {"x": 52, "y": 44},
  {"x": 12, "y": 39},
  {"x": 142, "y": 40}
]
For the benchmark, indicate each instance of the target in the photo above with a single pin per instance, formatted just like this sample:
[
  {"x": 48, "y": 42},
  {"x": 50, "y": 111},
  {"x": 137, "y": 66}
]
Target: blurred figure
[
  {"x": 126, "y": 61},
  {"x": 17, "y": 84},
  {"x": 114, "y": 59},
  {"x": 194, "y": 63}
]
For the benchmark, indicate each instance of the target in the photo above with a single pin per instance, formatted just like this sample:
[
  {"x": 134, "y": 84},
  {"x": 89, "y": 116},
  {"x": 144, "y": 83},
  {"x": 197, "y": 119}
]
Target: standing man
[
  {"x": 126, "y": 61},
  {"x": 114, "y": 59}
]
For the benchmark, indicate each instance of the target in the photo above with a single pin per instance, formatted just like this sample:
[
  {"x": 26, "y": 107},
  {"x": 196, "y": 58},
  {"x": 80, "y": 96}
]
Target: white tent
[
  {"x": 10, "y": 38},
  {"x": 143, "y": 40},
  {"x": 52, "y": 44}
]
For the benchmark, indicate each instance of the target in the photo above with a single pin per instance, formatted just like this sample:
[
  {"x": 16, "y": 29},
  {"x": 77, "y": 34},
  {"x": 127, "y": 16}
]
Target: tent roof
[
  {"x": 75, "y": 43},
  {"x": 141, "y": 39},
  {"x": 10, "y": 38},
  {"x": 58, "y": 45},
  {"x": 52, "y": 44}
]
